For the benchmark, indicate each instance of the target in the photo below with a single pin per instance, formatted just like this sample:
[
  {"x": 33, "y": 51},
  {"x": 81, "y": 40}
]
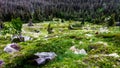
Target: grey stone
[
  {"x": 16, "y": 39},
  {"x": 30, "y": 23},
  {"x": 78, "y": 51},
  {"x": 44, "y": 57},
  {"x": 12, "y": 48},
  {"x": 117, "y": 23},
  {"x": 1, "y": 63}
]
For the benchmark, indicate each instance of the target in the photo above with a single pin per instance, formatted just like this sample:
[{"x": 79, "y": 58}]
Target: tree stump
[{"x": 30, "y": 23}]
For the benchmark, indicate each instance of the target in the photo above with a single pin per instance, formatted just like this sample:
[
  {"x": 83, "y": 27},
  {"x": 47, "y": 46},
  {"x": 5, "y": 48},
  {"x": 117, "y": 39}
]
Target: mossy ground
[{"x": 60, "y": 42}]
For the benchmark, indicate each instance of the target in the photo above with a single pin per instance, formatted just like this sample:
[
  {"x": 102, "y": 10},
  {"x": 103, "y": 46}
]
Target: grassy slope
[{"x": 61, "y": 46}]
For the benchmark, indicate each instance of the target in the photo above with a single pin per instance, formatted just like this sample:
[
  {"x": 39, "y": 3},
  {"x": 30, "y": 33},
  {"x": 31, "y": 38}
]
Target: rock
[
  {"x": 88, "y": 35},
  {"x": 102, "y": 43},
  {"x": 1, "y": 63},
  {"x": 103, "y": 30},
  {"x": 30, "y": 23},
  {"x": 12, "y": 48},
  {"x": 40, "y": 61},
  {"x": 73, "y": 48},
  {"x": 117, "y": 23},
  {"x": 82, "y": 52},
  {"x": 16, "y": 39},
  {"x": 27, "y": 38},
  {"x": 107, "y": 55},
  {"x": 44, "y": 57},
  {"x": 77, "y": 51},
  {"x": 50, "y": 55},
  {"x": 113, "y": 55}
]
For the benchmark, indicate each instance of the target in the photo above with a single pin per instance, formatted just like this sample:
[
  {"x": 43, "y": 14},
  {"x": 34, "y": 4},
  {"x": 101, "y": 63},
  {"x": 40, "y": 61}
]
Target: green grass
[{"x": 61, "y": 46}]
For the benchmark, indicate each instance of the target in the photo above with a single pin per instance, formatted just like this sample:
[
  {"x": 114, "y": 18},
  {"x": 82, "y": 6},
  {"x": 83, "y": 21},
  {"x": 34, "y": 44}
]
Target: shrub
[
  {"x": 111, "y": 21},
  {"x": 17, "y": 25}
]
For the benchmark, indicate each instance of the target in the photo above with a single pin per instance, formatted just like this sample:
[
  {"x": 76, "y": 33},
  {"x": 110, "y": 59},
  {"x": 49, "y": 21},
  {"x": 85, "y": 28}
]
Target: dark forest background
[{"x": 40, "y": 10}]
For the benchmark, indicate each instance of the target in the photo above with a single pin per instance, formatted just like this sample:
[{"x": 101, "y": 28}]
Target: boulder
[
  {"x": 12, "y": 48},
  {"x": 44, "y": 57},
  {"x": 117, "y": 23},
  {"x": 50, "y": 55},
  {"x": 27, "y": 38},
  {"x": 30, "y": 23},
  {"x": 82, "y": 52},
  {"x": 16, "y": 39},
  {"x": 40, "y": 61},
  {"x": 78, "y": 51},
  {"x": 103, "y": 30},
  {"x": 88, "y": 35},
  {"x": 1, "y": 63}
]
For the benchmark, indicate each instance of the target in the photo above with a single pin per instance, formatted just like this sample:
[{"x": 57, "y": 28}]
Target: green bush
[
  {"x": 111, "y": 21},
  {"x": 17, "y": 25},
  {"x": 7, "y": 29}
]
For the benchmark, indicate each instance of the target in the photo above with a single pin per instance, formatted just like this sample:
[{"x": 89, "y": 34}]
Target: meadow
[{"x": 101, "y": 44}]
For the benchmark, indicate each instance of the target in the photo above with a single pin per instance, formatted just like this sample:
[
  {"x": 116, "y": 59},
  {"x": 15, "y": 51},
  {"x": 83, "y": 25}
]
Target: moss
[
  {"x": 102, "y": 62},
  {"x": 61, "y": 45}
]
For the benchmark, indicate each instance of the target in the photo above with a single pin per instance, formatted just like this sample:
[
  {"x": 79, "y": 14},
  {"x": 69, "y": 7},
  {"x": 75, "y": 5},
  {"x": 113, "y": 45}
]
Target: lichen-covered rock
[
  {"x": 88, "y": 35},
  {"x": 30, "y": 23},
  {"x": 1, "y": 63},
  {"x": 44, "y": 57},
  {"x": 78, "y": 51},
  {"x": 12, "y": 48},
  {"x": 27, "y": 38},
  {"x": 117, "y": 23},
  {"x": 16, "y": 39},
  {"x": 104, "y": 30}
]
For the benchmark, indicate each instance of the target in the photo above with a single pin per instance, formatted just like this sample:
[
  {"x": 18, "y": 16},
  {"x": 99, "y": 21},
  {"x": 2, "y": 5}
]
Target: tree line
[{"x": 40, "y": 10}]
